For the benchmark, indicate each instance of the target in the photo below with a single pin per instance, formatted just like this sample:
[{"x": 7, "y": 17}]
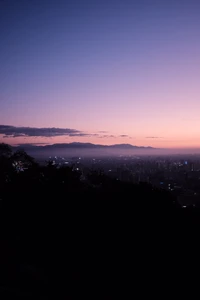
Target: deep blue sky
[{"x": 127, "y": 67}]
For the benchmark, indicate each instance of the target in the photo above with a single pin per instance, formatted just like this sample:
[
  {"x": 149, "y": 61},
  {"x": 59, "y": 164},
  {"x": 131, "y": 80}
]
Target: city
[{"x": 179, "y": 174}]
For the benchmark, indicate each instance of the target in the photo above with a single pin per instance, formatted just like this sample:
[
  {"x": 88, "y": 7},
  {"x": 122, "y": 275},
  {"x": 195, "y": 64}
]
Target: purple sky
[{"x": 113, "y": 71}]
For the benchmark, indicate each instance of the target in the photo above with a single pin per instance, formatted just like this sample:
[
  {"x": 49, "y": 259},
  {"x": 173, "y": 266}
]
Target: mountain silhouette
[{"x": 80, "y": 145}]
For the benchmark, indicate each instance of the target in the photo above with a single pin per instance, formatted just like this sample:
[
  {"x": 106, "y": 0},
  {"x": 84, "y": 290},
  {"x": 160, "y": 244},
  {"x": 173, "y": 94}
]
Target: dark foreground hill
[{"x": 68, "y": 239}]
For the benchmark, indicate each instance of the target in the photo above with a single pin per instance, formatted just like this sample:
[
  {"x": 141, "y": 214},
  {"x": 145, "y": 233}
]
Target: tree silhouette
[
  {"x": 5, "y": 163},
  {"x": 5, "y": 150},
  {"x": 22, "y": 156}
]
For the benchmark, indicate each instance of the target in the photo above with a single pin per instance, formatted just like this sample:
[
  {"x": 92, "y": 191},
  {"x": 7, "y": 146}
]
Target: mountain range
[{"x": 77, "y": 145}]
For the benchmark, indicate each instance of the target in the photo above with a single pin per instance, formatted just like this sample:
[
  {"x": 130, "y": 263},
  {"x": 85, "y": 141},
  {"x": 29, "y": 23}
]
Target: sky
[{"x": 104, "y": 72}]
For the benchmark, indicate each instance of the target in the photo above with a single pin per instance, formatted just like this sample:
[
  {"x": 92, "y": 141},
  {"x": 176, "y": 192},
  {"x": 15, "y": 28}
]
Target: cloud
[
  {"x": 153, "y": 137},
  {"x": 113, "y": 136},
  {"x": 13, "y": 131},
  {"x": 107, "y": 136},
  {"x": 123, "y": 135}
]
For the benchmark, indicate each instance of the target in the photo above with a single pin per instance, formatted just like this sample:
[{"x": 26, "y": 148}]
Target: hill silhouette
[{"x": 80, "y": 145}]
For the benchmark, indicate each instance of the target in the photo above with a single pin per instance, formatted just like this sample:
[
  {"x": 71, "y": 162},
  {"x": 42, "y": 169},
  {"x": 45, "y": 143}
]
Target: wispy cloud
[
  {"x": 106, "y": 136},
  {"x": 123, "y": 135},
  {"x": 154, "y": 137},
  {"x": 114, "y": 136}
]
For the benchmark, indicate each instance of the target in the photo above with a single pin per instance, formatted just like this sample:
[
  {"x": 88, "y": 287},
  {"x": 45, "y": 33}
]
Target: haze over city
[{"x": 104, "y": 72}]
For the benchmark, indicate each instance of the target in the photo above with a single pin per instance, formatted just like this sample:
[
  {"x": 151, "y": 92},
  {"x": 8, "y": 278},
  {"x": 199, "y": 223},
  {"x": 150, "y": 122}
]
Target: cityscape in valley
[{"x": 179, "y": 174}]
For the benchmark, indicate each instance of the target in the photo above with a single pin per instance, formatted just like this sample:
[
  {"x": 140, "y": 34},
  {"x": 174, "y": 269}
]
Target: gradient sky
[{"x": 115, "y": 71}]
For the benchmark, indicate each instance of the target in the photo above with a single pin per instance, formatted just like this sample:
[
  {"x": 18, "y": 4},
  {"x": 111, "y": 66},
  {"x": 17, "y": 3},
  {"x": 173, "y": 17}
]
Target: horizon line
[{"x": 156, "y": 148}]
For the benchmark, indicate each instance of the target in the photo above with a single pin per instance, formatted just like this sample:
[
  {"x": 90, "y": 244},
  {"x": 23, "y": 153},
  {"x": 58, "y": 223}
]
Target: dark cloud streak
[
  {"x": 13, "y": 132},
  {"x": 9, "y": 131}
]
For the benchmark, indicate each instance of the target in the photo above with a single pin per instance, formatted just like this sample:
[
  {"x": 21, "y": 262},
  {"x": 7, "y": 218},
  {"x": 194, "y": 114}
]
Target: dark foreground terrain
[{"x": 67, "y": 239}]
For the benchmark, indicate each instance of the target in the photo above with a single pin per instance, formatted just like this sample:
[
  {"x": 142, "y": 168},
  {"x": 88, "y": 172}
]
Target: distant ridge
[{"x": 80, "y": 145}]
